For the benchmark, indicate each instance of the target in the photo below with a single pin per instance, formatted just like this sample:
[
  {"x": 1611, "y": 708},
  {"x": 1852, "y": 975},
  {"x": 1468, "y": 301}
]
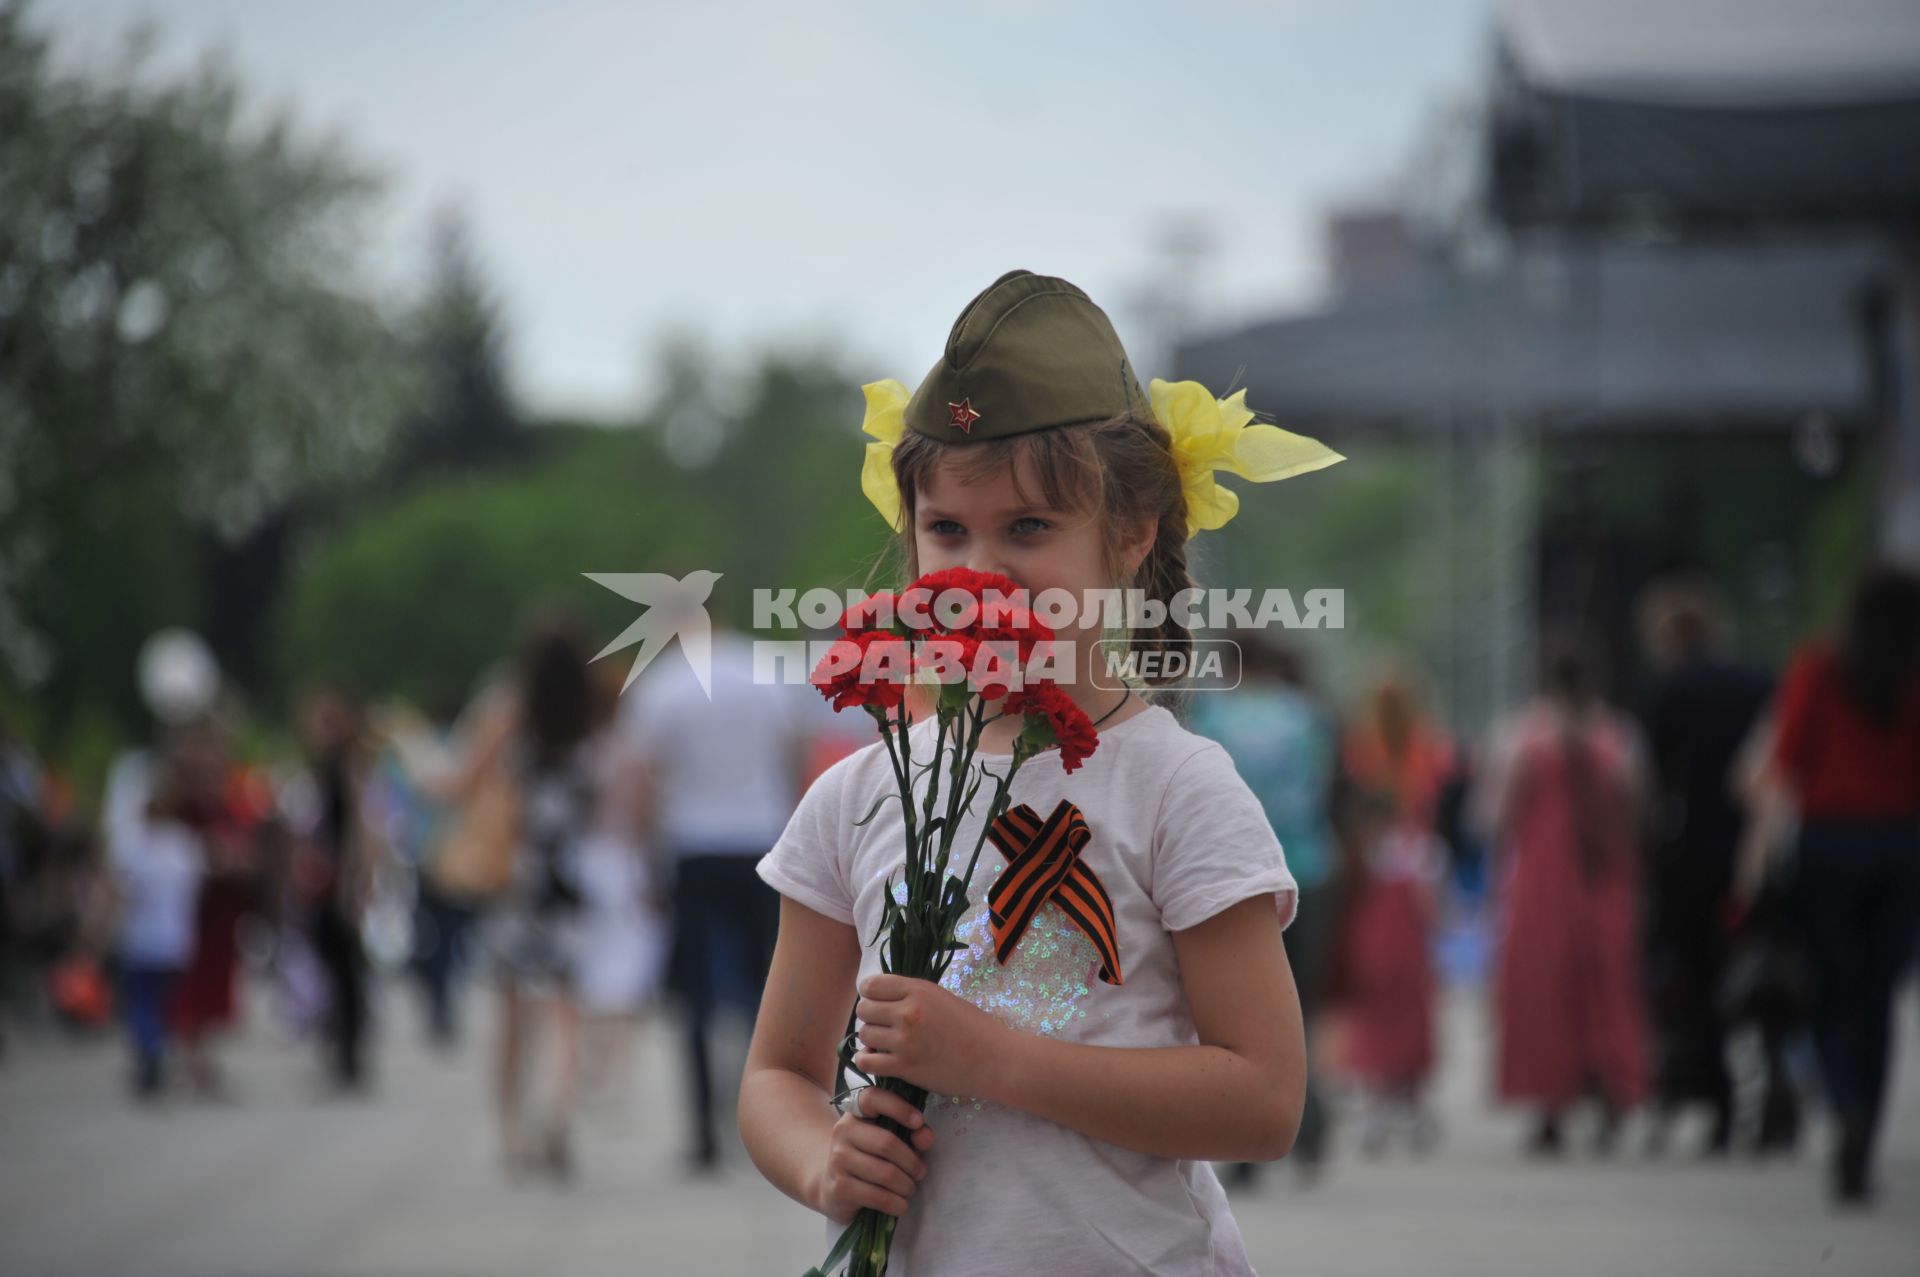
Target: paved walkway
[{"x": 286, "y": 1184}]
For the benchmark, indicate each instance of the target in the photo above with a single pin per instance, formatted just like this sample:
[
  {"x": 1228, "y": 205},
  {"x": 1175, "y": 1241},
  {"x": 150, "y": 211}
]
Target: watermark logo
[
  {"x": 1199, "y": 665},
  {"x": 1060, "y": 609},
  {"x": 676, "y": 607}
]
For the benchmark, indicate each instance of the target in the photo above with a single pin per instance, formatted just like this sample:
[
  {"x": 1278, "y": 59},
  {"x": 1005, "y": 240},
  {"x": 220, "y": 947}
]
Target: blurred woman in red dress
[
  {"x": 1565, "y": 795},
  {"x": 1382, "y": 987},
  {"x": 206, "y": 996}
]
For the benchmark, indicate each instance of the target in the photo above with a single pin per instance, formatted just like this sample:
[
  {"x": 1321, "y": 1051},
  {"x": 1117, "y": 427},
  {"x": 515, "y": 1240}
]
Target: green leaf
[
  {"x": 877, "y": 803},
  {"x": 839, "y": 1252},
  {"x": 886, "y": 915}
]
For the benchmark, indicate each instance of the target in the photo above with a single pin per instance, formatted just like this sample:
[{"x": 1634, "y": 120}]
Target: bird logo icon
[{"x": 675, "y": 606}]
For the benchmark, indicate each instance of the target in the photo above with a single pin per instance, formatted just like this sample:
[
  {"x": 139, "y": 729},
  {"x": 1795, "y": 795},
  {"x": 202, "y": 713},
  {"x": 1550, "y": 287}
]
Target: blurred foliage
[
  {"x": 1839, "y": 543},
  {"x": 1365, "y": 527},
  {"x": 757, "y": 479},
  {"x": 466, "y": 417},
  {"x": 183, "y": 351},
  {"x": 421, "y": 595}
]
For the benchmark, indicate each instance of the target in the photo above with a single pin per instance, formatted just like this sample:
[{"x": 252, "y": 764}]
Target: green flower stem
[
  {"x": 919, "y": 942},
  {"x": 962, "y": 766},
  {"x": 899, "y": 773},
  {"x": 906, "y": 791}
]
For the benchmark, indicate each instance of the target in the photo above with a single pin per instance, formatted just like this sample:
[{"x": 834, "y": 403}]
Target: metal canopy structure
[
  {"x": 1706, "y": 113},
  {"x": 1716, "y": 117},
  {"x": 1595, "y": 336}
]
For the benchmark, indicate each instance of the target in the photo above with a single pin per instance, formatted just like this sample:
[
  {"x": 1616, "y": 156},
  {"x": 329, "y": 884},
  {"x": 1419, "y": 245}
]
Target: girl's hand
[
  {"x": 921, "y": 1033},
  {"x": 868, "y": 1165}
]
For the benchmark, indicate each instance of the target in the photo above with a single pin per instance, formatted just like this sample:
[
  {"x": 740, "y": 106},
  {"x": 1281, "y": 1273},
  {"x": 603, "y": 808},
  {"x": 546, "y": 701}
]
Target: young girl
[
  {"x": 1076, "y": 1117},
  {"x": 1384, "y": 986}
]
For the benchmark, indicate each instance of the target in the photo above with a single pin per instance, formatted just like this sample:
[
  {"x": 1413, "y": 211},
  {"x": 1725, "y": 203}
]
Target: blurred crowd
[
  {"x": 1703, "y": 896},
  {"x": 1701, "y": 893}
]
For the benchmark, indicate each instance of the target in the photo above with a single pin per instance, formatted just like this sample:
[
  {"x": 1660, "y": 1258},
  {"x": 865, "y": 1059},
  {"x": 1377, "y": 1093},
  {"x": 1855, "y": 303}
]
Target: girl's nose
[{"x": 983, "y": 560}]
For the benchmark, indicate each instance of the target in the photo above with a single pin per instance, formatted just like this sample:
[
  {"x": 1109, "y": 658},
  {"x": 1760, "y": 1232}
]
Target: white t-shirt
[
  {"x": 725, "y": 765},
  {"x": 1176, "y": 837},
  {"x": 160, "y": 864}
]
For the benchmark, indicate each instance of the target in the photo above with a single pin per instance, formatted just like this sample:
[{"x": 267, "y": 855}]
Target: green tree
[
  {"x": 185, "y": 352},
  {"x": 467, "y": 417}
]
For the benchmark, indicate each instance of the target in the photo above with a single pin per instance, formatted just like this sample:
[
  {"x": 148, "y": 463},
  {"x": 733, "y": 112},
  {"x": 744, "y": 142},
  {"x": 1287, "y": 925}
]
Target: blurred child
[
  {"x": 623, "y": 938},
  {"x": 1383, "y": 982},
  {"x": 159, "y": 862}
]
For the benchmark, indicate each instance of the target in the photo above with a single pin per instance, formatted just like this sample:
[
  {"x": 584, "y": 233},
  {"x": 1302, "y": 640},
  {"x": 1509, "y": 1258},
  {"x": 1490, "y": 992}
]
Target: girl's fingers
[
  {"x": 883, "y": 1144},
  {"x": 873, "y": 1012},
  {"x": 879, "y": 1172},
  {"x": 878, "y": 1198},
  {"x": 874, "y": 1063},
  {"x": 878, "y": 1102},
  {"x": 878, "y": 1037},
  {"x": 923, "y": 1138}
]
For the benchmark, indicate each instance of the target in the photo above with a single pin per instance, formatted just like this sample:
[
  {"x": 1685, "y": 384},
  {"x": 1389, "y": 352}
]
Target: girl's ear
[{"x": 1136, "y": 548}]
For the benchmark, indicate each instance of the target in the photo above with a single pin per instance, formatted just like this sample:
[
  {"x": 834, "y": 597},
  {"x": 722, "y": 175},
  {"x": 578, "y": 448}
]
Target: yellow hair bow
[
  {"x": 886, "y": 419},
  {"x": 1208, "y": 434},
  {"x": 1213, "y": 434}
]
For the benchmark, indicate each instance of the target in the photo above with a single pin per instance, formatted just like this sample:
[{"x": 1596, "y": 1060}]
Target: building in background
[{"x": 1630, "y": 332}]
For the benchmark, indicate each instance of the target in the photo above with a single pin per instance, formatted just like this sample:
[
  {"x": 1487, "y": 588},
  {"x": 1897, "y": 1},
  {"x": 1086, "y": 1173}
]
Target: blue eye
[
  {"x": 944, "y": 527},
  {"x": 1040, "y": 525}
]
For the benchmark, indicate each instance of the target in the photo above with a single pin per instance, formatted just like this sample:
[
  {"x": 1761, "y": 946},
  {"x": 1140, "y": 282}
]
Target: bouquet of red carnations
[{"x": 970, "y": 638}]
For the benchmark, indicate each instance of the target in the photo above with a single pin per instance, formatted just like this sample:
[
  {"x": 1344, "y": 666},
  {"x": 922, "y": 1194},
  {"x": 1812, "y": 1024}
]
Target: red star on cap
[{"x": 961, "y": 416}]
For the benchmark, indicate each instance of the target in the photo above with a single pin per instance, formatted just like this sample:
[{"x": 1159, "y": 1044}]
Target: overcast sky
[{"x": 834, "y": 172}]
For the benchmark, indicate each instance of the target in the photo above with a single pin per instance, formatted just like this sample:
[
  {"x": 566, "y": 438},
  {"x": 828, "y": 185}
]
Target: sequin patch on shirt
[{"x": 1043, "y": 985}]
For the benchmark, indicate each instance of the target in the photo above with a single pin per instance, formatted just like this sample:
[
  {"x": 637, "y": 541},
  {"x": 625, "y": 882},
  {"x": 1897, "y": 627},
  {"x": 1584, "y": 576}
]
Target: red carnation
[
  {"x": 875, "y": 612},
  {"x": 1020, "y": 627},
  {"x": 1053, "y": 718},
  {"x": 867, "y": 669},
  {"x": 917, "y": 600},
  {"x": 988, "y": 666}
]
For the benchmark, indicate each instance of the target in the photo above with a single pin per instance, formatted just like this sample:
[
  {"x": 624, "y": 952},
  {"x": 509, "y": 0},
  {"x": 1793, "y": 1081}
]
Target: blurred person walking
[
  {"x": 1382, "y": 982},
  {"x": 419, "y": 823},
  {"x": 623, "y": 939},
  {"x": 333, "y": 878},
  {"x": 545, "y": 739},
  {"x": 722, "y": 774},
  {"x": 1563, "y": 795},
  {"x": 1285, "y": 745},
  {"x": 1698, "y": 711},
  {"x": 461, "y": 785},
  {"x": 520, "y": 795},
  {"x": 159, "y": 863},
  {"x": 1847, "y": 756},
  {"x": 206, "y": 997}
]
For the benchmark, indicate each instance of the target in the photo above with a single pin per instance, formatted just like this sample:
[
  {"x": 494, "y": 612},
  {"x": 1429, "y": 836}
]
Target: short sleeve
[
  {"x": 1793, "y": 743},
  {"x": 806, "y": 863},
  {"x": 1213, "y": 846}
]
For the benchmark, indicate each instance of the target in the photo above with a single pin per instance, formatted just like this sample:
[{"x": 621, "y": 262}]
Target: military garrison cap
[{"x": 1030, "y": 353}]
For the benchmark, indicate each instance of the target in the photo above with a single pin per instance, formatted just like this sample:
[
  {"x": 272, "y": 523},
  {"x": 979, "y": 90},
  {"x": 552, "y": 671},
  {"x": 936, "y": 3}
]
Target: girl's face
[{"x": 987, "y": 527}]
